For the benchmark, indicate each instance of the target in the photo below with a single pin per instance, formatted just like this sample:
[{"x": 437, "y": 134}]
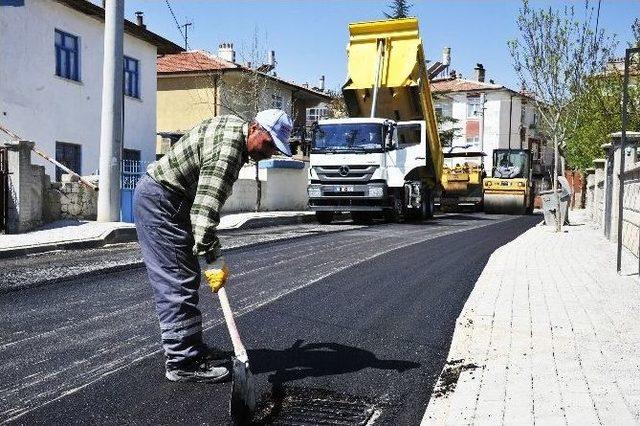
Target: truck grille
[{"x": 353, "y": 173}]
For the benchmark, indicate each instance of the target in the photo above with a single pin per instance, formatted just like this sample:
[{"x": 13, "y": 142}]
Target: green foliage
[
  {"x": 555, "y": 55},
  {"x": 399, "y": 9},
  {"x": 447, "y": 129},
  {"x": 598, "y": 110},
  {"x": 337, "y": 107}
]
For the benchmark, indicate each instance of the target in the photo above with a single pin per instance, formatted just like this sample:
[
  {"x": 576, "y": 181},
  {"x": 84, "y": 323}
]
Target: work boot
[{"x": 198, "y": 370}]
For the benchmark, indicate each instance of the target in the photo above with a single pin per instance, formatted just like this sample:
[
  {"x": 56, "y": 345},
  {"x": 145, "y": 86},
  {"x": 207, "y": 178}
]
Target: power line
[{"x": 176, "y": 21}]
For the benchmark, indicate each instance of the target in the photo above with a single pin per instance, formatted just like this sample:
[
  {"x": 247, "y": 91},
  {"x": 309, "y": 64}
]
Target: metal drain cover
[{"x": 303, "y": 406}]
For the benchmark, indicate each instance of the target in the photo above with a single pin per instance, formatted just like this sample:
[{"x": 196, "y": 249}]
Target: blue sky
[{"x": 309, "y": 37}]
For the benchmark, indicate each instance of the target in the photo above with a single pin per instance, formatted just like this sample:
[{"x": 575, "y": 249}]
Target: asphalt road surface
[{"x": 343, "y": 326}]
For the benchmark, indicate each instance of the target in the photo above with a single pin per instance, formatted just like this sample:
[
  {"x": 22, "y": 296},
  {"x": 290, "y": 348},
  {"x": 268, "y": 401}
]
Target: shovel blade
[{"x": 243, "y": 393}]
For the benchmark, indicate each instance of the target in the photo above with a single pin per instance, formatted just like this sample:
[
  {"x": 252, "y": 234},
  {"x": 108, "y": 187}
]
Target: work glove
[{"x": 216, "y": 274}]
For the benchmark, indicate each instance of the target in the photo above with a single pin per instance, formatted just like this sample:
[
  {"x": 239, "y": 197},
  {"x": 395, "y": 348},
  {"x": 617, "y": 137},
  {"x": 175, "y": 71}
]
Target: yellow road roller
[
  {"x": 462, "y": 177},
  {"x": 509, "y": 190}
]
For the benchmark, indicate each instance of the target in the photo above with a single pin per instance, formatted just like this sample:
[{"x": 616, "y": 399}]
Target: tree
[
  {"x": 554, "y": 56},
  {"x": 248, "y": 92},
  {"x": 336, "y": 108},
  {"x": 598, "y": 111},
  {"x": 399, "y": 9}
]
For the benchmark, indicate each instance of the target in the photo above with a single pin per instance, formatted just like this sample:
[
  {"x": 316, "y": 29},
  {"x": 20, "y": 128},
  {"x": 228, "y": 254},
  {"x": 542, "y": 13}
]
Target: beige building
[{"x": 196, "y": 85}]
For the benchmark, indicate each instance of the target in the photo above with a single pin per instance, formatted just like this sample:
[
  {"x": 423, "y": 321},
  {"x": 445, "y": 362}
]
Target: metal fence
[{"x": 132, "y": 171}]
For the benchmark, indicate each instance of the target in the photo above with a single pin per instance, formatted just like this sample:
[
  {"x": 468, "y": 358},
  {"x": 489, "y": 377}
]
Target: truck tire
[
  {"x": 397, "y": 212},
  {"x": 428, "y": 205},
  {"x": 324, "y": 218}
]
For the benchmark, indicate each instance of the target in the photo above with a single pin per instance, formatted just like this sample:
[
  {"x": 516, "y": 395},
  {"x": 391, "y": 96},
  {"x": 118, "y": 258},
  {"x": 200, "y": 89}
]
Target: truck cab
[{"x": 386, "y": 158}]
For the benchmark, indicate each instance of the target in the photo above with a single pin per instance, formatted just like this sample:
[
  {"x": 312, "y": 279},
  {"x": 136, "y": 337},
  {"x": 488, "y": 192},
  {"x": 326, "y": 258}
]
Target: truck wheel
[
  {"x": 324, "y": 218},
  {"x": 427, "y": 206}
]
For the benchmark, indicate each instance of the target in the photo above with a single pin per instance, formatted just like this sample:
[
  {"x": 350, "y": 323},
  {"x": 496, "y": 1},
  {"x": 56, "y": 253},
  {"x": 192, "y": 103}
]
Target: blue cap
[{"x": 278, "y": 124}]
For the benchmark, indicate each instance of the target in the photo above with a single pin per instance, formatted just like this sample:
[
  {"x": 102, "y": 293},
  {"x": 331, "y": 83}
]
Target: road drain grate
[{"x": 304, "y": 406}]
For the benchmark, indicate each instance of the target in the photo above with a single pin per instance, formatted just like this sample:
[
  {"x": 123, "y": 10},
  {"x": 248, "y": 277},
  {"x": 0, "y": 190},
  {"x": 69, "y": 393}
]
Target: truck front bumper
[{"x": 348, "y": 197}]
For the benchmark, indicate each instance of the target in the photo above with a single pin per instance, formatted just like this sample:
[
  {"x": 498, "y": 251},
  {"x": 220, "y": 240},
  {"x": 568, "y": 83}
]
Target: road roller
[
  {"x": 509, "y": 190},
  {"x": 462, "y": 177}
]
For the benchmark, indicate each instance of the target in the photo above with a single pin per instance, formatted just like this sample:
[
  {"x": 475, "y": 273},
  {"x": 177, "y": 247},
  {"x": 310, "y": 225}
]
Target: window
[
  {"x": 408, "y": 134},
  {"x": 69, "y": 155},
  {"x": 473, "y": 107},
  {"x": 67, "y": 55},
  {"x": 315, "y": 114},
  {"x": 276, "y": 101},
  {"x": 131, "y": 77},
  {"x": 443, "y": 109},
  {"x": 473, "y": 140}
]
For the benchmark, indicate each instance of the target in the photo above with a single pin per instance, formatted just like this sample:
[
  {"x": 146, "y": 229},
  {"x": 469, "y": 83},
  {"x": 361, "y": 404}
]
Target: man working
[{"x": 177, "y": 209}]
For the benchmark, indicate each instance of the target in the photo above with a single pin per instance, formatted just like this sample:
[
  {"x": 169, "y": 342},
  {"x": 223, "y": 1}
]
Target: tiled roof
[
  {"x": 460, "y": 85},
  {"x": 202, "y": 61},
  {"x": 193, "y": 61}
]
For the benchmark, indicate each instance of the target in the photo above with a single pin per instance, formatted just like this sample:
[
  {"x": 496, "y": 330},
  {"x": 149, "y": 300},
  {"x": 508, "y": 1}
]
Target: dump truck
[
  {"x": 385, "y": 159},
  {"x": 510, "y": 188},
  {"x": 462, "y": 176}
]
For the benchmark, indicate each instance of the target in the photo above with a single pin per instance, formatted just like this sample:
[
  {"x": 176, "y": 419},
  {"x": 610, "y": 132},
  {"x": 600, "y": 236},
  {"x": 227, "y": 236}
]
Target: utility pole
[
  {"x": 186, "y": 34},
  {"x": 111, "y": 125}
]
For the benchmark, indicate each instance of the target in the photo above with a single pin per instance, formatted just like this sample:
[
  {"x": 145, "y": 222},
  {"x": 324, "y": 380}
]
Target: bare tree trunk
[
  {"x": 258, "y": 189},
  {"x": 555, "y": 184}
]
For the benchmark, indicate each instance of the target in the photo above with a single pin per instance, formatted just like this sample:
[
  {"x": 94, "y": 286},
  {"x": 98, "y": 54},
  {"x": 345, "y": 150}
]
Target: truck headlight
[
  {"x": 376, "y": 191},
  {"x": 314, "y": 192}
]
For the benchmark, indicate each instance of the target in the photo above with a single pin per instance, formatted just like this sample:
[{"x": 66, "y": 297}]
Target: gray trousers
[{"x": 164, "y": 232}]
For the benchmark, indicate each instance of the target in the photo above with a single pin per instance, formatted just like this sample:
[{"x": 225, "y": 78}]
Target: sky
[{"x": 309, "y": 36}]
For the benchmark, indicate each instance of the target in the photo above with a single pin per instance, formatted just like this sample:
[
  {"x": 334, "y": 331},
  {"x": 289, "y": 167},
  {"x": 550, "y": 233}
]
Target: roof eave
[{"x": 163, "y": 45}]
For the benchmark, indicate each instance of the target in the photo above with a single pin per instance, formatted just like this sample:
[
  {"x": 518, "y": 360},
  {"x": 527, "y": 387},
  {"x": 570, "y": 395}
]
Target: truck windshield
[
  {"x": 510, "y": 164},
  {"x": 349, "y": 137}
]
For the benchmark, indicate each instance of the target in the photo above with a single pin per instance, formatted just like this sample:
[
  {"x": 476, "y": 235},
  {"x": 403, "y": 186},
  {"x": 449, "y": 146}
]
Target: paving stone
[{"x": 555, "y": 329}]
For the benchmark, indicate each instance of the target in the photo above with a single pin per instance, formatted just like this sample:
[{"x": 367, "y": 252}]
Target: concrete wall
[
  {"x": 283, "y": 187},
  {"x": 603, "y": 186},
  {"x": 184, "y": 101},
  {"x": 34, "y": 200},
  {"x": 37, "y": 105}
]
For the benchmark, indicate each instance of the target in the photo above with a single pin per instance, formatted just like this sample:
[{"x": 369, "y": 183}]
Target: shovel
[{"x": 243, "y": 396}]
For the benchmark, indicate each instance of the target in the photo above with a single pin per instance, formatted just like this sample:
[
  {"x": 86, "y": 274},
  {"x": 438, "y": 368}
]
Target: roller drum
[{"x": 505, "y": 203}]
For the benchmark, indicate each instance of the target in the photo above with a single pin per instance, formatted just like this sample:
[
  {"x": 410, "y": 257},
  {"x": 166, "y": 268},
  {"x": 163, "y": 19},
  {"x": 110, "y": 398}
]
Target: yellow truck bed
[{"x": 404, "y": 93}]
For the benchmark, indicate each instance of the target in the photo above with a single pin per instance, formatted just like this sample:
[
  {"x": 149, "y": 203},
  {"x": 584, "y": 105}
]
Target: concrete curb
[
  {"x": 127, "y": 235},
  {"x": 120, "y": 235}
]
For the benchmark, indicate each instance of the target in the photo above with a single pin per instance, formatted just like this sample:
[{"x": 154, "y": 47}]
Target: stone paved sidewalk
[{"x": 549, "y": 335}]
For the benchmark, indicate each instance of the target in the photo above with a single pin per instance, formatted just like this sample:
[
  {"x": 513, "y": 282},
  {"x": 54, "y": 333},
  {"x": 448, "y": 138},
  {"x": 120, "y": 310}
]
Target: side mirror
[{"x": 388, "y": 140}]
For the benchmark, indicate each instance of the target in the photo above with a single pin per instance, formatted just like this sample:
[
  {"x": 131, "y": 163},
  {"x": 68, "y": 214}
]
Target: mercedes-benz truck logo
[{"x": 343, "y": 171}]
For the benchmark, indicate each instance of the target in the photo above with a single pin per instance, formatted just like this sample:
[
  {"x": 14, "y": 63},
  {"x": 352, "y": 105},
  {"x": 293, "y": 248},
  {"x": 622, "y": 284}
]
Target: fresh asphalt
[{"x": 364, "y": 314}]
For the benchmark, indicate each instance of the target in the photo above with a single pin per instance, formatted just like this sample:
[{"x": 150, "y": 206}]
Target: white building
[
  {"x": 51, "y": 80},
  {"x": 490, "y": 116}
]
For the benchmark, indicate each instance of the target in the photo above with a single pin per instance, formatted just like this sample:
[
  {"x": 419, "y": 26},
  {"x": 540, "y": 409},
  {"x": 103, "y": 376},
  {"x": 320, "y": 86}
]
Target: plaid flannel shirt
[{"x": 202, "y": 166}]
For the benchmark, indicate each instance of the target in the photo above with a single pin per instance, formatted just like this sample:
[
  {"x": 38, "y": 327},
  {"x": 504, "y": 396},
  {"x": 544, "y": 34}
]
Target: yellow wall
[{"x": 184, "y": 101}]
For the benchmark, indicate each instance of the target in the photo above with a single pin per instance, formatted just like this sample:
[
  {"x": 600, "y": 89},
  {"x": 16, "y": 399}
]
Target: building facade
[
  {"x": 490, "y": 116},
  {"x": 51, "y": 74},
  {"x": 196, "y": 85}
]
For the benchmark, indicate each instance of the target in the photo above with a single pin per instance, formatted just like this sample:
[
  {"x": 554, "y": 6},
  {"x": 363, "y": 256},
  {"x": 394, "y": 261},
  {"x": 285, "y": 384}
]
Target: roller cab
[{"x": 509, "y": 190}]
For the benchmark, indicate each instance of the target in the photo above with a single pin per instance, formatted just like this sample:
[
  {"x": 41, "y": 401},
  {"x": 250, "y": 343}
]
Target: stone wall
[{"x": 77, "y": 201}]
